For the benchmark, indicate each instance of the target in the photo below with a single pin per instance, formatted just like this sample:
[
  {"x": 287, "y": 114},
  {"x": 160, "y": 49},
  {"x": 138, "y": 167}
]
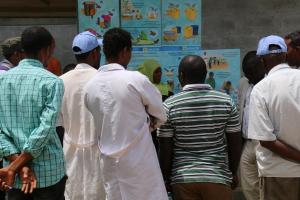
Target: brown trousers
[
  {"x": 277, "y": 188},
  {"x": 201, "y": 191}
]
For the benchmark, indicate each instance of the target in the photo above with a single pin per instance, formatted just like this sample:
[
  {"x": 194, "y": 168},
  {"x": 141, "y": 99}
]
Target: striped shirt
[
  {"x": 198, "y": 118},
  {"x": 30, "y": 100}
]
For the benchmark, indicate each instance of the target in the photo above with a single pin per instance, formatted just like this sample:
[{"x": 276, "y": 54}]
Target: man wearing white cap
[
  {"x": 274, "y": 122},
  {"x": 80, "y": 140}
]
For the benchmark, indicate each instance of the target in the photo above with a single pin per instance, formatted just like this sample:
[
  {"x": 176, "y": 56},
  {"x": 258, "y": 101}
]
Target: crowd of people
[{"x": 90, "y": 133}]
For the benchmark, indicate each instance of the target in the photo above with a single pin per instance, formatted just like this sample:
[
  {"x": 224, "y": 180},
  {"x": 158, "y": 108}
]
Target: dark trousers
[
  {"x": 54, "y": 192},
  {"x": 2, "y": 194}
]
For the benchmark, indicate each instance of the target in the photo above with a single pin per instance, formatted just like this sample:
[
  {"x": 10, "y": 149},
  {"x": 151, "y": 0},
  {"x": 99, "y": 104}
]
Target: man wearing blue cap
[
  {"x": 274, "y": 122},
  {"x": 80, "y": 141}
]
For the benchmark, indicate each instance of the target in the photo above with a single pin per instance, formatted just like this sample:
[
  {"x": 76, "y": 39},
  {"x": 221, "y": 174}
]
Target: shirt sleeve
[
  {"x": 48, "y": 119},
  {"x": 7, "y": 146},
  {"x": 233, "y": 124},
  {"x": 260, "y": 126},
  {"x": 152, "y": 100},
  {"x": 166, "y": 130}
]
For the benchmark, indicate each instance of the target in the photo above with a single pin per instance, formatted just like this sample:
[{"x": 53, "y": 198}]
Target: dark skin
[
  {"x": 234, "y": 141},
  {"x": 277, "y": 146},
  {"x": 19, "y": 162},
  {"x": 293, "y": 54}
]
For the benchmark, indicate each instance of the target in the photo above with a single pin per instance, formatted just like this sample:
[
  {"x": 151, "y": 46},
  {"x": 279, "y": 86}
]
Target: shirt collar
[
  {"x": 6, "y": 63},
  {"x": 83, "y": 66},
  {"x": 197, "y": 87},
  {"x": 31, "y": 62},
  {"x": 279, "y": 67},
  {"x": 111, "y": 67}
]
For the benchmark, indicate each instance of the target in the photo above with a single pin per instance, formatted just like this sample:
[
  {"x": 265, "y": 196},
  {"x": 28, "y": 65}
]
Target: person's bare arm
[
  {"x": 165, "y": 155},
  {"x": 234, "y": 142},
  {"x": 282, "y": 149}
]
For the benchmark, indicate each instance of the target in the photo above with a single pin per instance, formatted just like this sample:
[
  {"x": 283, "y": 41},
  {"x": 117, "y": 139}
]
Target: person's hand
[
  {"x": 7, "y": 178},
  {"x": 28, "y": 180},
  {"x": 235, "y": 182},
  {"x": 3, "y": 186},
  {"x": 152, "y": 123}
]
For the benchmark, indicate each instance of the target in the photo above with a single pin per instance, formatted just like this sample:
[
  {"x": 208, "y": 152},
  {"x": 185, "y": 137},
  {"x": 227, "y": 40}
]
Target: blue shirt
[{"x": 30, "y": 100}]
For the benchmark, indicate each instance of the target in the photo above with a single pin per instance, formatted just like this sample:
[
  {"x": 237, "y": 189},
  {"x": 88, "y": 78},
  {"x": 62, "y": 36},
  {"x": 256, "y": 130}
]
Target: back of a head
[
  {"x": 294, "y": 39},
  {"x": 34, "y": 39},
  {"x": 114, "y": 41},
  {"x": 11, "y": 45},
  {"x": 249, "y": 55},
  {"x": 192, "y": 70}
]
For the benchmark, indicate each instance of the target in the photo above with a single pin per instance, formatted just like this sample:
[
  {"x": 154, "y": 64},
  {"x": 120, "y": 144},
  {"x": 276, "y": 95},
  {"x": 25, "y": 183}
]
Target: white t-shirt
[{"x": 275, "y": 115}]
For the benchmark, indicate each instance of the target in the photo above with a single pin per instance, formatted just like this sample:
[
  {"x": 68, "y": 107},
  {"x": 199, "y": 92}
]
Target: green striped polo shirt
[{"x": 198, "y": 120}]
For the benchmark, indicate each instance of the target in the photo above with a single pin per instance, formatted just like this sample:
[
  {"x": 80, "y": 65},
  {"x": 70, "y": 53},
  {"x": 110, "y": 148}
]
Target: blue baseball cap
[
  {"x": 85, "y": 42},
  {"x": 264, "y": 45}
]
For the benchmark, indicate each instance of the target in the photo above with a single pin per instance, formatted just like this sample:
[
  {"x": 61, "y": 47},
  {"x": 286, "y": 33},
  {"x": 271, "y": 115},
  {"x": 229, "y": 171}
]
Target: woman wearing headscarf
[{"x": 151, "y": 68}]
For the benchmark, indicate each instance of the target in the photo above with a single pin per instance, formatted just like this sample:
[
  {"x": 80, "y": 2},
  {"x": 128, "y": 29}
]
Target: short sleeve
[
  {"x": 166, "y": 130},
  {"x": 233, "y": 124},
  {"x": 260, "y": 126}
]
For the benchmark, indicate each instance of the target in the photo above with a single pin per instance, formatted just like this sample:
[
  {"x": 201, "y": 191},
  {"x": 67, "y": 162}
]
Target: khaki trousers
[
  {"x": 249, "y": 171},
  {"x": 274, "y": 188}
]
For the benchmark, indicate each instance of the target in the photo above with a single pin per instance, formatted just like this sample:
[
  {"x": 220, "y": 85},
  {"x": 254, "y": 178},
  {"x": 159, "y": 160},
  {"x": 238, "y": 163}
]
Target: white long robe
[
  {"x": 80, "y": 141},
  {"x": 121, "y": 102}
]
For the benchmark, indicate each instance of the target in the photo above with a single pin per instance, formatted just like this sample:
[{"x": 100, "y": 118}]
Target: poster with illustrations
[
  {"x": 223, "y": 70},
  {"x": 170, "y": 59},
  {"x": 141, "y": 13},
  {"x": 147, "y": 60},
  {"x": 98, "y": 15},
  {"x": 181, "y": 22},
  {"x": 145, "y": 36}
]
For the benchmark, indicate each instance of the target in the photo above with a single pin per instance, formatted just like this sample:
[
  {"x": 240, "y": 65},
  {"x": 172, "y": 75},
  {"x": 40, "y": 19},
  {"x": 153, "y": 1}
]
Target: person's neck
[{"x": 111, "y": 61}]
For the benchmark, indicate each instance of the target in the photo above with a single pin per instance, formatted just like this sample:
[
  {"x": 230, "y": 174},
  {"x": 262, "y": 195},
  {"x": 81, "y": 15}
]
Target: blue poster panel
[
  {"x": 181, "y": 22},
  {"x": 98, "y": 15},
  {"x": 140, "y": 13},
  {"x": 223, "y": 67}
]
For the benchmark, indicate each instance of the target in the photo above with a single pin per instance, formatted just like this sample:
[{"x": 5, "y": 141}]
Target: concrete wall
[
  {"x": 63, "y": 30},
  {"x": 241, "y": 23},
  {"x": 225, "y": 24}
]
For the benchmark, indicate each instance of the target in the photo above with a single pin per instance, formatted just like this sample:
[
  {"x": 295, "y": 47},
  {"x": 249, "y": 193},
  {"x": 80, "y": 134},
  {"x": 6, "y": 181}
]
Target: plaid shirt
[{"x": 30, "y": 100}]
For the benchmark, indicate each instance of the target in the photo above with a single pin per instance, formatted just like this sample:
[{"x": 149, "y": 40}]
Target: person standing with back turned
[
  {"x": 124, "y": 104},
  {"x": 80, "y": 140}
]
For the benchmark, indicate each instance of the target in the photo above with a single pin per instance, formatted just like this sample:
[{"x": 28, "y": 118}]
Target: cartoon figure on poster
[{"x": 98, "y": 15}]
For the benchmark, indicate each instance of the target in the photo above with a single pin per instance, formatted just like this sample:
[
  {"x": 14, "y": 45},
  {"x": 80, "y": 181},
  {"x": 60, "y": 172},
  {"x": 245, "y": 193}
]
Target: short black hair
[
  {"x": 295, "y": 38},
  {"x": 193, "y": 69},
  {"x": 83, "y": 56},
  {"x": 68, "y": 67},
  {"x": 247, "y": 60},
  {"x": 114, "y": 41},
  {"x": 35, "y": 38}
]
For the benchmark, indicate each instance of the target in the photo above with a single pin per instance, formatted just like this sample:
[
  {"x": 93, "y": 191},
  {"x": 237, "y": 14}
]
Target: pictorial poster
[
  {"x": 167, "y": 58},
  {"x": 223, "y": 70},
  {"x": 98, "y": 15},
  {"x": 140, "y": 13},
  {"x": 181, "y": 22}
]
